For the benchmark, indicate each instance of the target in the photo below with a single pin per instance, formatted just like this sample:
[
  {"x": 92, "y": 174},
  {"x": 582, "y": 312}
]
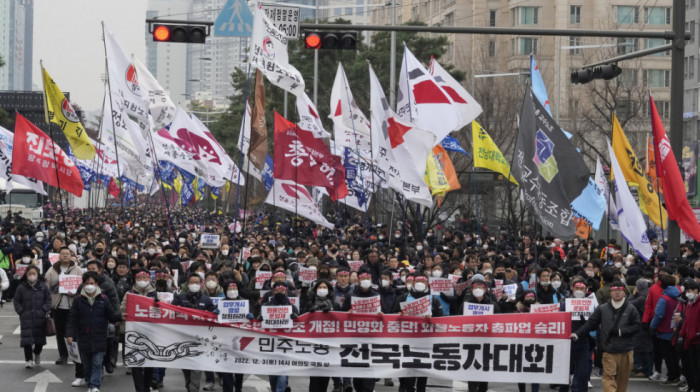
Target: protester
[
  {"x": 661, "y": 326},
  {"x": 142, "y": 376},
  {"x": 32, "y": 303}
]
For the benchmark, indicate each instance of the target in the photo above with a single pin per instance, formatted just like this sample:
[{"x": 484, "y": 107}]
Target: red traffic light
[
  {"x": 312, "y": 41},
  {"x": 161, "y": 33}
]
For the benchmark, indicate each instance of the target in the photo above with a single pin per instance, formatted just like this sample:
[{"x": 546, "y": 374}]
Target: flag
[
  {"x": 539, "y": 89},
  {"x": 301, "y": 157},
  {"x": 350, "y": 126},
  {"x": 632, "y": 170},
  {"x": 114, "y": 188},
  {"x": 187, "y": 192},
  {"x": 258, "y": 126},
  {"x": 583, "y": 229},
  {"x": 630, "y": 218},
  {"x": 167, "y": 172},
  {"x": 167, "y": 149},
  {"x": 60, "y": 112},
  {"x": 268, "y": 179},
  {"x": 550, "y": 171},
  {"x": 602, "y": 184},
  {"x": 421, "y": 101},
  {"x": 84, "y": 166},
  {"x": 309, "y": 118},
  {"x": 244, "y": 133},
  {"x": 463, "y": 102},
  {"x": 36, "y": 156},
  {"x": 451, "y": 144},
  {"x": 340, "y": 191},
  {"x": 435, "y": 177},
  {"x": 353, "y": 179},
  {"x": 486, "y": 153},
  {"x": 227, "y": 168},
  {"x": 6, "y": 146},
  {"x": 296, "y": 198},
  {"x": 160, "y": 106},
  {"x": 590, "y": 204},
  {"x": 447, "y": 167},
  {"x": 650, "y": 166},
  {"x": 401, "y": 149},
  {"x": 674, "y": 190},
  {"x": 268, "y": 53}
]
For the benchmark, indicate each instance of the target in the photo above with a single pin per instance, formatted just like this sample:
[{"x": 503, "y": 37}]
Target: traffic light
[
  {"x": 330, "y": 40},
  {"x": 185, "y": 32},
  {"x": 606, "y": 72}
]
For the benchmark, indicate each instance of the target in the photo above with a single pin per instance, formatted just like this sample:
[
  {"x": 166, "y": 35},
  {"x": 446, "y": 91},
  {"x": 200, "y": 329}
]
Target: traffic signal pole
[{"x": 677, "y": 36}]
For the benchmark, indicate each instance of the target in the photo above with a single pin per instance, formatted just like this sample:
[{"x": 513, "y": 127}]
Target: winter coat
[
  {"x": 357, "y": 292},
  {"x": 4, "y": 282},
  {"x": 149, "y": 292},
  {"x": 604, "y": 317},
  {"x": 388, "y": 298},
  {"x": 88, "y": 323},
  {"x": 32, "y": 304},
  {"x": 691, "y": 326},
  {"x": 661, "y": 322},
  {"x": 52, "y": 276},
  {"x": 642, "y": 342},
  {"x": 194, "y": 301},
  {"x": 655, "y": 293}
]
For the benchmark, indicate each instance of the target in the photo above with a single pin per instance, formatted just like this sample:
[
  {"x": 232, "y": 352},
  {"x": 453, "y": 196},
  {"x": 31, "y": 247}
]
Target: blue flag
[
  {"x": 352, "y": 179},
  {"x": 187, "y": 192},
  {"x": 451, "y": 144},
  {"x": 86, "y": 173},
  {"x": 590, "y": 205},
  {"x": 539, "y": 89},
  {"x": 268, "y": 180},
  {"x": 167, "y": 172}
]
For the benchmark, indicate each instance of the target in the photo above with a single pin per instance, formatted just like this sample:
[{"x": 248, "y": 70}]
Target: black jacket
[
  {"x": 32, "y": 304},
  {"x": 357, "y": 292},
  {"x": 88, "y": 323},
  {"x": 194, "y": 301},
  {"x": 604, "y": 317}
]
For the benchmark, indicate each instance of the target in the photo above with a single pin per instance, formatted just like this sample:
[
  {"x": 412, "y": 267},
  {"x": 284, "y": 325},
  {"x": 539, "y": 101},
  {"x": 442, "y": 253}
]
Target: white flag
[
  {"x": 160, "y": 106},
  {"x": 350, "y": 201},
  {"x": 7, "y": 140},
  {"x": 106, "y": 159},
  {"x": 400, "y": 147},
  {"x": 168, "y": 150},
  {"x": 244, "y": 134},
  {"x": 630, "y": 218},
  {"x": 268, "y": 53},
  {"x": 350, "y": 126},
  {"x": 230, "y": 170},
  {"x": 602, "y": 184},
  {"x": 293, "y": 197},
  {"x": 422, "y": 102},
  {"x": 467, "y": 106},
  {"x": 309, "y": 119}
]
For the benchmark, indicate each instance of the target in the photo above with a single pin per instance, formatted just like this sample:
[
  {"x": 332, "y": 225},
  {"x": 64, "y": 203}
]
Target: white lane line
[{"x": 17, "y": 331}]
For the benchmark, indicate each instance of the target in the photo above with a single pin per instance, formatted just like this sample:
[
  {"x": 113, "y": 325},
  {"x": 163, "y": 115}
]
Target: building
[
  {"x": 16, "y": 44},
  {"x": 691, "y": 85}
]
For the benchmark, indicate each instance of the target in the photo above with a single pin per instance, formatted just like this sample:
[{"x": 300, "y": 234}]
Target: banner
[
  {"x": 441, "y": 285},
  {"x": 297, "y": 199},
  {"x": 487, "y": 155},
  {"x": 309, "y": 118},
  {"x": 160, "y": 107},
  {"x": 528, "y": 348},
  {"x": 581, "y": 308},
  {"x": 209, "y": 241},
  {"x": 258, "y": 125},
  {"x": 277, "y": 317},
  {"x": 420, "y": 307},
  {"x": 68, "y": 284},
  {"x": 366, "y": 305},
  {"x": 351, "y": 127},
  {"x": 462, "y": 101},
  {"x": 6, "y": 146},
  {"x": 472, "y": 309}
]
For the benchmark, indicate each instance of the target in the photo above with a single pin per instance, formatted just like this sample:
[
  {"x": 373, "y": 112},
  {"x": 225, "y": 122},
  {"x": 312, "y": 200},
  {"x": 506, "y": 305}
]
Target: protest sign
[
  {"x": 307, "y": 275},
  {"x": 511, "y": 290},
  {"x": 355, "y": 264},
  {"x": 441, "y": 285},
  {"x": 368, "y": 305},
  {"x": 544, "y": 308},
  {"x": 69, "y": 283},
  {"x": 53, "y": 258},
  {"x": 20, "y": 270},
  {"x": 261, "y": 277},
  {"x": 497, "y": 290},
  {"x": 73, "y": 352},
  {"x": 294, "y": 301},
  {"x": 419, "y": 307},
  {"x": 459, "y": 287},
  {"x": 581, "y": 308},
  {"x": 275, "y": 317},
  {"x": 215, "y": 300},
  {"x": 233, "y": 311},
  {"x": 185, "y": 264},
  {"x": 209, "y": 241},
  {"x": 455, "y": 278},
  {"x": 165, "y": 297},
  {"x": 472, "y": 309},
  {"x": 520, "y": 348}
]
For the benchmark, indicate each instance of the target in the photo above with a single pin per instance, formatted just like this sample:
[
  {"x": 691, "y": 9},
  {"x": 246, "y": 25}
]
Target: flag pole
[
  {"x": 240, "y": 162},
  {"x": 245, "y": 195},
  {"x": 658, "y": 196},
  {"x": 55, "y": 160}
]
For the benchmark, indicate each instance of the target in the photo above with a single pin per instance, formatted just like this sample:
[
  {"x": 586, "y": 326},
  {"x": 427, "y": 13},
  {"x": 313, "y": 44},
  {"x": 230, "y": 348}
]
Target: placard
[
  {"x": 459, "y": 287},
  {"x": 73, "y": 352},
  {"x": 261, "y": 277},
  {"x": 472, "y": 309},
  {"x": 355, "y": 264},
  {"x": 165, "y": 297},
  {"x": 20, "y": 270},
  {"x": 441, "y": 285},
  {"x": 68, "y": 284},
  {"x": 544, "y": 308},
  {"x": 294, "y": 301},
  {"x": 53, "y": 258},
  {"x": 209, "y": 241},
  {"x": 307, "y": 275},
  {"x": 185, "y": 264},
  {"x": 233, "y": 311},
  {"x": 497, "y": 290},
  {"x": 455, "y": 278},
  {"x": 366, "y": 305},
  {"x": 419, "y": 307},
  {"x": 511, "y": 290},
  {"x": 581, "y": 307},
  {"x": 275, "y": 317}
]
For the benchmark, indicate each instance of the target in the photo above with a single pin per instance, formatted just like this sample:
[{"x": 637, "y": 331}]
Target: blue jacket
[{"x": 660, "y": 311}]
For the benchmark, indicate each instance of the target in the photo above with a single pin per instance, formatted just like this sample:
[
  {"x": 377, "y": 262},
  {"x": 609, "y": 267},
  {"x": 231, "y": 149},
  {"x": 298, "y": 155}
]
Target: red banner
[{"x": 36, "y": 156}]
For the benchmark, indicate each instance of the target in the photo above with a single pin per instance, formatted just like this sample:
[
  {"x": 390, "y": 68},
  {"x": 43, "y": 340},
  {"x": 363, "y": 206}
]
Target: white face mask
[
  {"x": 420, "y": 287},
  {"x": 181, "y": 240},
  {"x": 90, "y": 288},
  {"x": 224, "y": 252},
  {"x": 556, "y": 284},
  {"x": 544, "y": 284},
  {"x": 579, "y": 294},
  {"x": 211, "y": 285},
  {"x": 201, "y": 274},
  {"x": 385, "y": 283},
  {"x": 26, "y": 259},
  {"x": 83, "y": 244},
  {"x": 419, "y": 248},
  {"x": 232, "y": 294},
  {"x": 478, "y": 293},
  {"x": 142, "y": 283},
  {"x": 194, "y": 287},
  {"x": 628, "y": 263},
  {"x": 365, "y": 283},
  {"x": 322, "y": 293},
  {"x": 691, "y": 296},
  {"x": 114, "y": 253},
  {"x": 403, "y": 278},
  {"x": 33, "y": 278},
  {"x": 409, "y": 286},
  {"x": 618, "y": 265},
  {"x": 397, "y": 235},
  {"x": 151, "y": 251},
  {"x": 437, "y": 273},
  {"x": 590, "y": 273}
]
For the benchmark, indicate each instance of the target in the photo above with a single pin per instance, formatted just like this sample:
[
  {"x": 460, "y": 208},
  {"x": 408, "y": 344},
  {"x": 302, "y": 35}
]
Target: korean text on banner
[
  {"x": 209, "y": 241},
  {"x": 471, "y": 309},
  {"x": 275, "y": 317},
  {"x": 441, "y": 285},
  {"x": 366, "y": 305},
  {"x": 420, "y": 307},
  {"x": 307, "y": 275},
  {"x": 527, "y": 348},
  {"x": 261, "y": 277},
  {"x": 544, "y": 308},
  {"x": 233, "y": 311},
  {"x": 68, "y": 284}
]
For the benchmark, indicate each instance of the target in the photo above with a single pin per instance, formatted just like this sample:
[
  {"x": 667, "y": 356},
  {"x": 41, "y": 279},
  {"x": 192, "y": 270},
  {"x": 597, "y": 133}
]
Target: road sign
[
  {"x": 286, "y": 19},
  {"x": 234, "y": 20}
]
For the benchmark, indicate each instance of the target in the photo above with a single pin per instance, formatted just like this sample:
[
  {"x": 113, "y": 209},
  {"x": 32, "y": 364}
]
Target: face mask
[
  {"x": 90, "y": 288},
  {"x": 232, "y": 294},
  {"x": 419, "y": 248},
  {"x": 556, "y": 284},
  {"x": 322, "y": 293},
  {"x": 529, "y": 302},
  {"x": 151, "y": 251},
  {"x": 420, "y": 287},
  {"x": 224, "y": 252},
  {"x": 618, "y": 265},
  {"x": 33, "y": 278},
  {"x": 211, "y": 285},
  {"x": 157, "y": 236},
  {"x": 544, "y": 284},
  {"x": 365, "y": 284},
  {"x": 486, "y": 246},
  {"x": 194, "y": 287},
  {"x": 385, "y": 283},
  {"x": 579, "y": 294},
  {"x": 279, "y": 297},
  {"x": 590, "y": 273},
  {"x": 397, "y": 236},
  {"x": 83, "y": 244},
  {"x": 409, "y": 286},
  {"x": 403, "y": 278},
  {"x": 690, "y": 296},
  {"x": 142, "y": 283},
  {"x": 429, "y": 235},
  {"x": 500, "y": 275},
  {"x": 381, "y": 237},
  {"x": 533, "y": 277},
  {"x": 114, "y": 253},
  {"x": 201, "y": 274},
  {"x": 478, "y": 293},
  {"x": 181, "y": 240},
  {"x": 437, "y": 273},
  {"x": 26, "y": 259},
  {"x": 628, "y": 263}
]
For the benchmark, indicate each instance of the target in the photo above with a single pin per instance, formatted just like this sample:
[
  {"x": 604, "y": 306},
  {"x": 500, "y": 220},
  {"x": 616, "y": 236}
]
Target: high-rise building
[
  {"x": 691, "y": 85},
  {"x": 16, "y": 44}
]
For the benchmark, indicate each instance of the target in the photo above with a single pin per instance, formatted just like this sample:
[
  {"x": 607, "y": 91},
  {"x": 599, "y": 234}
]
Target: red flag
[
  {"x": 114, "y": 188},
  {"x": 36, "y": 156},
  {"x": 677, "y": 204},
  {"x": 302, "y": 158},
  {"x": 341, "y": 191}
]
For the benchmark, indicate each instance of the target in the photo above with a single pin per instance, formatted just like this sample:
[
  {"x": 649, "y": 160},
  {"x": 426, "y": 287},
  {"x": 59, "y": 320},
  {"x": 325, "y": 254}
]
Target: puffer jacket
[
  {"x": 51, "y": 278},
  {"x": 88, "y": 323},
  {"x": 32, "y": 304},
  {"x": 661, "y": 322},
  {"x": 604, "y": 317}
]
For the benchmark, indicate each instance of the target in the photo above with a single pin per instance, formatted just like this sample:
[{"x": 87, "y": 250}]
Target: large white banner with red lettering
[{"x": 529, "y": 348}]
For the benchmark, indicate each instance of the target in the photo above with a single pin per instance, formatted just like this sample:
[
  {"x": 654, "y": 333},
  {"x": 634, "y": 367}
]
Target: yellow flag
[
  {"x": 486, "y": 153},
  {"x": 435, "y": 177},
  {"x": 59, "y": 111},
  {"x": 634, "y": 175}
]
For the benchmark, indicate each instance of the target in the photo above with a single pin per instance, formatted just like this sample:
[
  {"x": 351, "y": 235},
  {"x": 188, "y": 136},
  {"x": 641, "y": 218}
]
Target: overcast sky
[{"x": 68, "y": 38}]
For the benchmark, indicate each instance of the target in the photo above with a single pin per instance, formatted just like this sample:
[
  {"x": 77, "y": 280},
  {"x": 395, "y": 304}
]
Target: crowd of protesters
[{"x": 647, "y": 323}]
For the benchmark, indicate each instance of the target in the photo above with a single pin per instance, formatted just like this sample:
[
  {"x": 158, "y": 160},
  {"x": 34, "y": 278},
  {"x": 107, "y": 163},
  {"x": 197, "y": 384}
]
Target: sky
[{"x": 68, "y": 38}]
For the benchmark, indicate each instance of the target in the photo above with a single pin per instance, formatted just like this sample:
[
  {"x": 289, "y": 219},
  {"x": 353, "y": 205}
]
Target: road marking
[
  {"x": 17, "y": 331},
  {"x": 42, "y": 380}
]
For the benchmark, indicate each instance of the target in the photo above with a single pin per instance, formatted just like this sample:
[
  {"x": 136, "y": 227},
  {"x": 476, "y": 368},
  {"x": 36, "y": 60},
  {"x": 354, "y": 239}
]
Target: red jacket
[
  {"x": 655, "y": 293},
  {"x": 691, "y": 325}
]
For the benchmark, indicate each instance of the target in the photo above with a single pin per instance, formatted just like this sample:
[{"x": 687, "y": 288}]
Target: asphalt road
[{"x": 54, "y": 378}]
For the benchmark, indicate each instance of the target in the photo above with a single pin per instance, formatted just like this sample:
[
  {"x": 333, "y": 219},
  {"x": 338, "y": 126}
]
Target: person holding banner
[
  {"x": 580, "y": 362},
  {"x": 32, "y": 303},
  {"x": 619, "y": 323},
  {"x": 320, "y": 298},
  {"x": 142, "y": 376}
]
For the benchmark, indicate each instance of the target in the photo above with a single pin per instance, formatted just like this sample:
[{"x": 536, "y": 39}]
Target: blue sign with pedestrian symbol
[{"x": 235, "y": 20}]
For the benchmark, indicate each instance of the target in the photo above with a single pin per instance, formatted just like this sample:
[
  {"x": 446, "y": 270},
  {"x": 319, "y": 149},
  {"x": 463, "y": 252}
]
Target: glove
[
  {"x": 294, "y": 316},
  {"x": 156, "y": 301},
  {"x": 259, "y": 318},
  {"x": 249, "y": 316},
  {"x": 312, "y": 310},
  {"x": 326, "y": 309},
  {"x": 443, "y": 296},
  {"x": 615, "y": 333}
]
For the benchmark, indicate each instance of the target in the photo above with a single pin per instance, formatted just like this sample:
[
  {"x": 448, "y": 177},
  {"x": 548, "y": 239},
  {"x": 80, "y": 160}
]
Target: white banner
[
  {"x": 277, "y": 317},
  {"x": 296, "y": 198}
]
